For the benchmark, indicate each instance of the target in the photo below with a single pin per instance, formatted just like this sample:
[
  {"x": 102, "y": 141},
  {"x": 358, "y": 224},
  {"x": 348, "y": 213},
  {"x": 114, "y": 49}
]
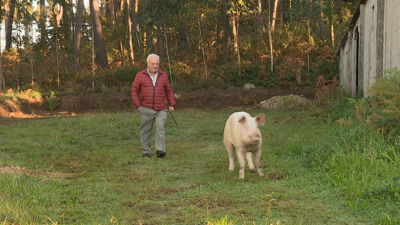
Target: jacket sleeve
[{"x": 135, "y": 91}]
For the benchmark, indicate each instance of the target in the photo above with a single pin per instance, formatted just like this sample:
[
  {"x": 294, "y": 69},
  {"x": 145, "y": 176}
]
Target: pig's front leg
[
  {"x": 231, "y": 153},
  {"x": 257, "y": 156},
  {"x": 241, "y": 155},
  {"x": 250, "y": 161}
]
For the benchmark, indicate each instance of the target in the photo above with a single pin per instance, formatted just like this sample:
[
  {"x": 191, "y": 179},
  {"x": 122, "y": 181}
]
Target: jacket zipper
[{"x": 154, "y": 91}]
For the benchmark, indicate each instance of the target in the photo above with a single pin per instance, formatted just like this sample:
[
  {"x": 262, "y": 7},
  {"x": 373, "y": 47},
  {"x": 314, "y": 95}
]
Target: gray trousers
[{"x": 147, "y": 117}]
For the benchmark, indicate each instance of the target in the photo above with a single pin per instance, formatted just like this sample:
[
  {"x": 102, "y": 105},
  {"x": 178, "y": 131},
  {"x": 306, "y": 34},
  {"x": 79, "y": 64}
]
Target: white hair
[{"x": 150, "y": 55}]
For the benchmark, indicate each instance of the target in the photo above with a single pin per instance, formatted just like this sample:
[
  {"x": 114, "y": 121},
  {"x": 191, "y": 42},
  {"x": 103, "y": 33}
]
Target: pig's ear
[
  {"x": 260, "y": 119},
  {"x": 242, "y": 120}
]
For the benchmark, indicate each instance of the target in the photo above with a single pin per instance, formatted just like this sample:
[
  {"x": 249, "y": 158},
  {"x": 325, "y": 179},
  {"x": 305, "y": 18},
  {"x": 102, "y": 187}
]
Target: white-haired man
[{"x": 151, "y": 93}]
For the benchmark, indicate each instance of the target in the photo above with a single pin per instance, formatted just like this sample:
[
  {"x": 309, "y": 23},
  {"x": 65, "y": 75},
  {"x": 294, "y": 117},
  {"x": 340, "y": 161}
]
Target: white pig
[{"x": 242, "y": 132}]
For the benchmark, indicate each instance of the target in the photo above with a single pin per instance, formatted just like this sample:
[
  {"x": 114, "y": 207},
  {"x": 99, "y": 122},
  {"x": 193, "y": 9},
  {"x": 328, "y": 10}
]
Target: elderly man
[{"x": 151, "y": 93}]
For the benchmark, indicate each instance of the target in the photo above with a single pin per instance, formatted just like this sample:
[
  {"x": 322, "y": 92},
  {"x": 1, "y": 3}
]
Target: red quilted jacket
[{"x": 156, "y": 98}]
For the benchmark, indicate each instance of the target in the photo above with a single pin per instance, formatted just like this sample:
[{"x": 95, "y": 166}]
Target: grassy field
[{"x": 90, "y": 170}]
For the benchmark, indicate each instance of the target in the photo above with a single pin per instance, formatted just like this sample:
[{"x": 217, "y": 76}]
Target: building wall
[
  {"x": 391, "y": 45},
  {"x": 370, "y": 43},
  {"x": 344, "y": 72},
  {"x": 378, "y": 23}
]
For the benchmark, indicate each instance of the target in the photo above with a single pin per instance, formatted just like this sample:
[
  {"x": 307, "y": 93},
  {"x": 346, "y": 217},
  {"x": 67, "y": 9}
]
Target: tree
[
  {"x": 10, "y": 7},
  {"x": 270, "y": 38},
  {"x": 226, "y": 20},
  {"x": 100, "y": 50},
  {"x": 148, "y": 39},
  {"x": 131, "y": 50},
  {"x": 2, "y": 81},
  {"x": 118, "y": 20},
  {"x": 78, "y": 35},
  {"x": 274, "y": 15},
  {"x": 160, "y": 32}
]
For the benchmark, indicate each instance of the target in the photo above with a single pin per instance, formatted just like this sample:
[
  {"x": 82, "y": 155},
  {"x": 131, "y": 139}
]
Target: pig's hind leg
[
  {"x": 231, "y": 152},
  {"x": 257, "y": 156}
]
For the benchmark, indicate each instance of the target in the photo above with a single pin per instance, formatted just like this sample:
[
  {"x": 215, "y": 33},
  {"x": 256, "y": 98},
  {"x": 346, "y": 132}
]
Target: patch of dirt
[
  {"x": 275, "y": 176},
  {"x": 211, "y": 99},
  {"x": 44, "y": 174}
]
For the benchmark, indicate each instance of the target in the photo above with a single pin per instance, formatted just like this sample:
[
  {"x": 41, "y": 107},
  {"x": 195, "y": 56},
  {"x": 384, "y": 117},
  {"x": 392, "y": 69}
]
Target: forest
[{"x": 59, "y": 44}]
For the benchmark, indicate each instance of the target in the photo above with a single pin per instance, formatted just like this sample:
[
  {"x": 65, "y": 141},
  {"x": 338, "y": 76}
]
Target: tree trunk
[
  {"x": 290, "y": 8},
  {"x": 234, "y": 32},
  {"x": 131, "y": 51},
  {"x": 182, "y": 39},
  {"x": 258, "y": 16},
  {"x": 27, "y": 35},
  {"x": 78, "y": 34},
  {"x": 118, "y": 20},
  {"x": 65, "y": 22},
  {"x": 42, "y": 20},
  {"x": 332, "y": 8},
  {"x": 270, "y": 38},
  {"x": 2, "y": 81},
  {"x": 160, "y": 36},
  {"x": 227, "y": 33},
  {"x": 280, "y": 14},
  {"x": 274, "y": 15},
  {"x": 58, "y": 11},
  {"x": 27, "y": 26},
  {"x": 202, "y": 47},
  {"x": 100, "y": 50},
  {"x": 109, "y": 11},
  {"x": 9, "y": 23},
  {"x": 218, "y": 43},
  {"x": 148, "y": 35},
  {"x": 237, "y": 37},
  {"x": 321, "y": 24},
  {"x": 150, "y": 40},
  {"x": 71, "y": 12}
]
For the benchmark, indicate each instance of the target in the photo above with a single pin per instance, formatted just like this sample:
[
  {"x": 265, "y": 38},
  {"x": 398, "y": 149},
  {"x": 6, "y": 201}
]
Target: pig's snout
[{"x": 256, "y": 137}]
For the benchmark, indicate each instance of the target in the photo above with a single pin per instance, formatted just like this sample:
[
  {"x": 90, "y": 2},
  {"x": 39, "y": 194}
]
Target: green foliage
[
  {"x": 364, "y": 165},
  {"x": 40, "y": 62},
  {"x": 22, "y": 197},
  {"x": 248, "y": 99},
  {"x": 387, "y": 89},
  {"x": 385, "y": 102},
  {"x": 52, "y": 101},
  {"x": 363, "y": 151},
  {"x": 123, "y": 76},
  {"x": 329, "y": 69}
]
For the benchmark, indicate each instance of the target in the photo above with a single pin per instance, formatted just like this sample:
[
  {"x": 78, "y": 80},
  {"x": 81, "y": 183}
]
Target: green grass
[{"x": 90, "y": 170}]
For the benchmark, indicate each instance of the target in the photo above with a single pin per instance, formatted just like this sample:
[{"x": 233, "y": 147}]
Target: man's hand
[{"x": 171, "y": 109}]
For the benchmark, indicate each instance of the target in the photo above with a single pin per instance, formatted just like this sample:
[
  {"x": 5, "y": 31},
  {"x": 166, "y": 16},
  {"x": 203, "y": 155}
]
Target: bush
[{"x": 52, "y": 101}]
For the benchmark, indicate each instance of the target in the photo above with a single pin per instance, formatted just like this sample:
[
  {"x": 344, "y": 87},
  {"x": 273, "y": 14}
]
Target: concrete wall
[
  {"x": 378, "y": 24},
  {"x": 391, "y": 56},
  {"x": 370, "y": 43},
  {"x": 344, "y": 71}
]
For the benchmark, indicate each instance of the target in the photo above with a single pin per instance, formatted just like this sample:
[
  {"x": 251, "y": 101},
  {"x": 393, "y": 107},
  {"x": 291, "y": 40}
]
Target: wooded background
[{"x": 56, "y": 44}]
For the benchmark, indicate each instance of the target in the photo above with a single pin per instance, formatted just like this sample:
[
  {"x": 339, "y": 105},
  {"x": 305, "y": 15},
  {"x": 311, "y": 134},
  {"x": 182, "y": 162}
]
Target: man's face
[{"x": 153, "y": 64}]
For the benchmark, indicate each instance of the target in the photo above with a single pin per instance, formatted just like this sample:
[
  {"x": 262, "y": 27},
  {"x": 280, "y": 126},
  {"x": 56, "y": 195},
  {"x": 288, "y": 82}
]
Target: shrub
[{"x": 52, "y": 101}]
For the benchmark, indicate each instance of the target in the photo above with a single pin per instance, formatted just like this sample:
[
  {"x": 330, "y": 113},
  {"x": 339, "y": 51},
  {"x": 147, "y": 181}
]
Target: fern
[{"x": 387, "y": 89}]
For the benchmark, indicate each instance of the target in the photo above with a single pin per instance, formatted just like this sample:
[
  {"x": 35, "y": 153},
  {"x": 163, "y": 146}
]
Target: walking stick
[{"x": 174, "y": 120}]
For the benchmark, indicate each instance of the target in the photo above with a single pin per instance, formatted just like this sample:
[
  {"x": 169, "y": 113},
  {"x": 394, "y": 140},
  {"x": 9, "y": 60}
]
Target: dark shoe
[
  {"x": 147, "y": 155},
  {"x": 160, "y": 154}
]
